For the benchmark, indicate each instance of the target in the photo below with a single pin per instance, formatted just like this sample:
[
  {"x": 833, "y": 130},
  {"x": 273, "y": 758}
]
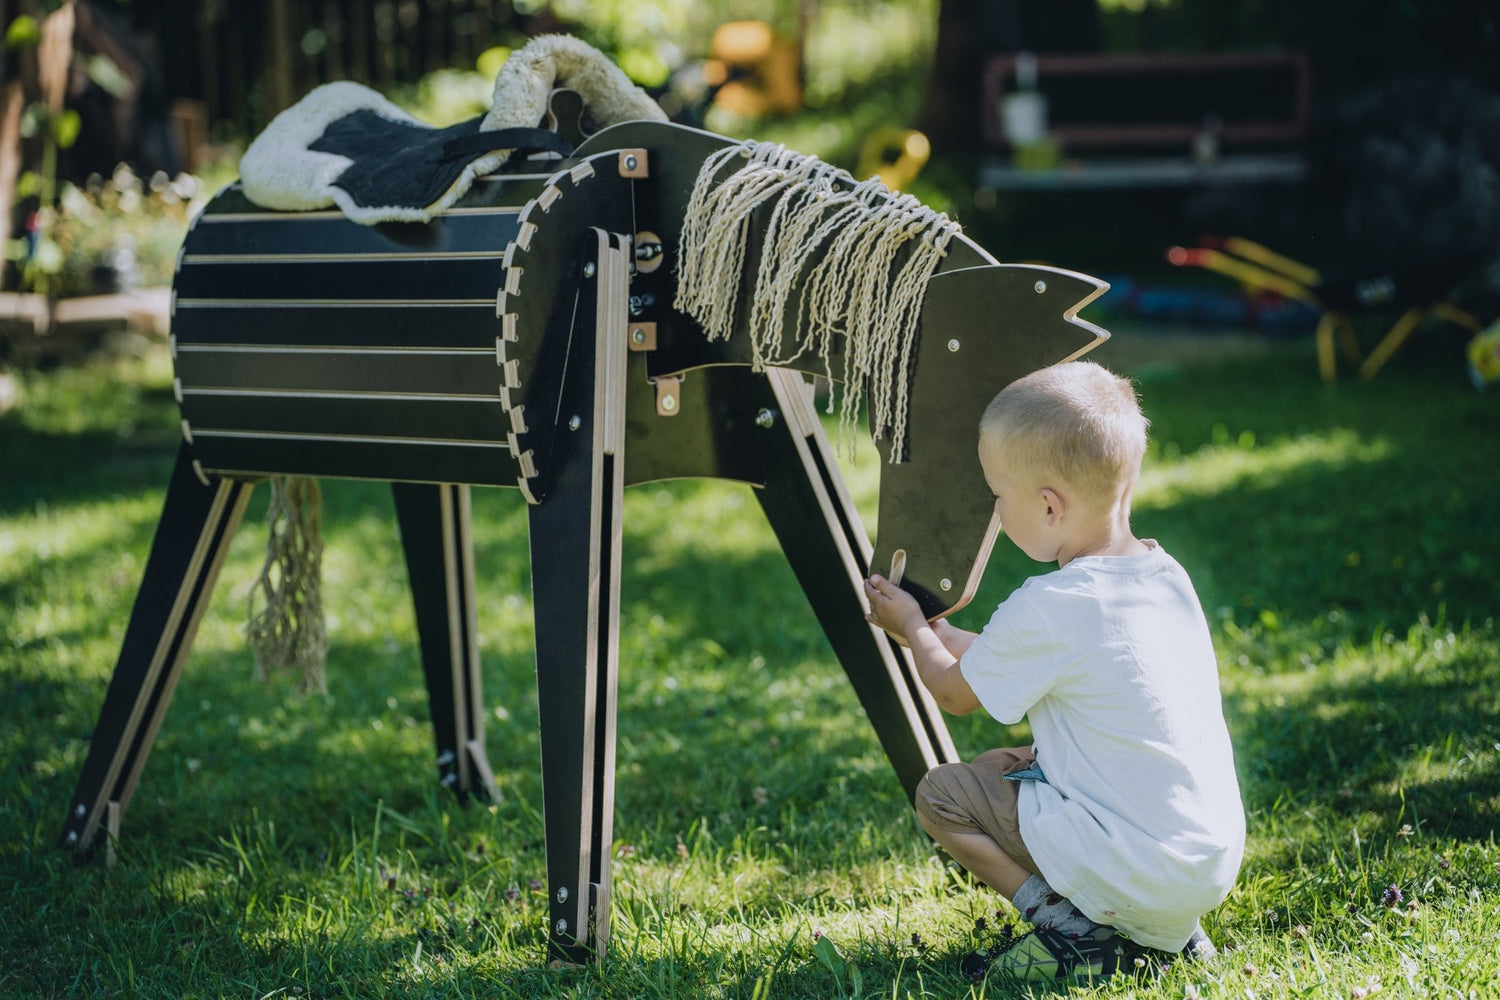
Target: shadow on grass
[
  {"x": 1265, "y": 551},
  {"x": 70, "y": 469},
  {"x": 230, "y": 746},
  {"x": 1401, "y": 746},
  {"x": 124, "y": 442}
]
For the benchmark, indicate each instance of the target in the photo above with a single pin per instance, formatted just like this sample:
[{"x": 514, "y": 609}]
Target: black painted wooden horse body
[{"x": 526, "y": 339}]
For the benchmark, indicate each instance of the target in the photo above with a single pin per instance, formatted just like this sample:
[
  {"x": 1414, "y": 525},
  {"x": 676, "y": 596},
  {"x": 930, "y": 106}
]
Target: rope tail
[{"x": 289, "y": 630}]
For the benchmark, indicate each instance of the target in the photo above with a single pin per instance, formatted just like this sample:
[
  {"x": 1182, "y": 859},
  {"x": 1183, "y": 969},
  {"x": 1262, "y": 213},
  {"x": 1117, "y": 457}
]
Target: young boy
[{"x": 1123, "y": 824}]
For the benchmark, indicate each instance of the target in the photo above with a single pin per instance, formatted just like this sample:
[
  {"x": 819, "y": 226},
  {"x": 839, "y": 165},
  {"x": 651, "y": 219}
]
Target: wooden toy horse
[{"x": 526, "y": 337}]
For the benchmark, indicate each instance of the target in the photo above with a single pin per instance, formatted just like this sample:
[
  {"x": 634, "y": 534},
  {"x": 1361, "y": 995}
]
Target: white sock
[{"x": 1046, "y": 909}]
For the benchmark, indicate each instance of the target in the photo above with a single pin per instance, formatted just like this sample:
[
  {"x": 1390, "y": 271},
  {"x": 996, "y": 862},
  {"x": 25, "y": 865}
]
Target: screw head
[
  {"x": 588, "y": 269},
  {"x": 637, "y": 336},
  {"x": 72, "y": 836},
  {"x": 765, "y": 418},
  {"x": 953, "y": 345},
  {"x": 1040, "y": 286},
  {"x": 630, "y": 161},
  {"x": 669, "y": 402},
  {"x": 575, "y": 422},
  {"x": 80, "y": 810},
  {"x": 945, "y": 583},
  {"x": 561, "y": 926},
  {"x": 562, "y": 894}
]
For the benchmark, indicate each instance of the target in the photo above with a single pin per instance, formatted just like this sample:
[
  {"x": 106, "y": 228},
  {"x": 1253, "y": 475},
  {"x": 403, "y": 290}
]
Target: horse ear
[{"x": 981, "y": 329}]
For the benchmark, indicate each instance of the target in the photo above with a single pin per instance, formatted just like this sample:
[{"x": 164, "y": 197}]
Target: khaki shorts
[{"x": 976, "y": 798}]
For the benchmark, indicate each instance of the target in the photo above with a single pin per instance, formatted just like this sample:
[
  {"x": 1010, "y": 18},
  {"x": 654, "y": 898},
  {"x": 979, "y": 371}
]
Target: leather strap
[{"x": 521, "y": 139}]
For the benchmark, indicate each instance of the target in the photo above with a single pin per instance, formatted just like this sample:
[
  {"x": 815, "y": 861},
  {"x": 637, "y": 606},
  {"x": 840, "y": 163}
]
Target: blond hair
[{"x": 1075, "y": 422}]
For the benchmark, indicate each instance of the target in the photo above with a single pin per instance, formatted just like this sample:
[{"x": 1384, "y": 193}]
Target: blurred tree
[
  {"x": 39, "y": 43},
  {"x": 17, "y": 89},
  {"x": 247, "y": 61},
  {"x": 81, "y": 93}
]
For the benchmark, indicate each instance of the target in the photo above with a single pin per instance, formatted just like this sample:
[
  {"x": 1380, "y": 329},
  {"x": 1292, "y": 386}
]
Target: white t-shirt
[{"x": 1140, "y": 821}]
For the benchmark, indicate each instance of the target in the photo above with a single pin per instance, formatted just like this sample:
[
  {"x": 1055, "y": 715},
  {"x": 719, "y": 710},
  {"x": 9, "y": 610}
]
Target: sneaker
[
  {"x": 976, "y": 963},
  {"x": 1047, "y": 956}
]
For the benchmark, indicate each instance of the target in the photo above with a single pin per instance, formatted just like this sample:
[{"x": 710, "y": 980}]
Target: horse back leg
[
  {"x": 437, "y": 540},
  {"x": 198, "y": 522}
]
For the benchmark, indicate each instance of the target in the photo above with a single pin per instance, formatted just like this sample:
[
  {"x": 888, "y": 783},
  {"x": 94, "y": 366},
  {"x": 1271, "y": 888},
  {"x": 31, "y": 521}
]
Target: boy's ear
[{"x": 1055, "y": 504}]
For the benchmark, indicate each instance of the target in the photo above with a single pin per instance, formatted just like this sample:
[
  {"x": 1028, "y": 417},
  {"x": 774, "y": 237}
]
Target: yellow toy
[{"x": 1484, "y": 356}]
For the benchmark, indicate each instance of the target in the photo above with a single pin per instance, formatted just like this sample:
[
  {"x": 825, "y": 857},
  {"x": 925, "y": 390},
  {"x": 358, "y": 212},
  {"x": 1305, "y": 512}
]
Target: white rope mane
[{"x": 858, "y": 253}]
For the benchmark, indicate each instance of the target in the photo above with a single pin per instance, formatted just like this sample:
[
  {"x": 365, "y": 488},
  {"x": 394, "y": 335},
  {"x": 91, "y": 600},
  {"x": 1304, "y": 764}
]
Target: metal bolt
[
  {"x": 953, "y": 345},
  {"x": 562, "y": 894},
  {"x": 575, "y": 422},
  {"x": 561, "y": 926},
  {"x": 669, "y": 403},
  {"x": 765, "y": 418},
  {"x": 588, "y": 269},
  {"x": 945, "y": 583},
  {"x": 1040, "y": 286},
  {"x": 72, "y": 836},
  {"x": 80, "y": 810},
  {"x": 637, "y": 336},
  {"x": 630, "y": 161}
]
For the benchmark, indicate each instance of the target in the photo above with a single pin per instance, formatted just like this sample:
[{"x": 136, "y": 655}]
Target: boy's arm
[
  {"x": 956, "y": 640},
  {"x": 896, "y": 611}
]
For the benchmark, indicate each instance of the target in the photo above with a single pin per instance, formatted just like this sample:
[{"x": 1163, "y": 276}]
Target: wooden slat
[
  {"x": 256, "y": 230},
  {"x": 354, "y": 277},
  {"x": 412, "y": 461},
  {"x": 475, "y": 418},
  {"x": 443, "y": 372},
  {"x": 378, "y": 325}
]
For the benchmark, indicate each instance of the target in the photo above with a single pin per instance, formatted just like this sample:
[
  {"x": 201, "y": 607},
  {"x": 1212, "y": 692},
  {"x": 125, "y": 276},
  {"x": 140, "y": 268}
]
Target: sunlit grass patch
[{"x": 1239, "y": 461}]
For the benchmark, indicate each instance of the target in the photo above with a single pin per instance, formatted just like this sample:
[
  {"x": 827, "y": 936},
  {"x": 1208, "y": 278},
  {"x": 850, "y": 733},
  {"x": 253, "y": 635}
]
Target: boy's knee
[
  {"x": 925, "y": 817},
  {"x": 936, "y": 809},
  {"x": 956, "y": 801}
]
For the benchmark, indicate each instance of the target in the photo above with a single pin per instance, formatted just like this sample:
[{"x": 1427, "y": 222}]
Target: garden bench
[{"x": 1153, "y": 119}]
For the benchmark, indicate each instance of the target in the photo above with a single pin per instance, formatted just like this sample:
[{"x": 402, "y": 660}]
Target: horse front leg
[
  {"x": 820, "y": 532},
  {"x": 575, "y": 569}
]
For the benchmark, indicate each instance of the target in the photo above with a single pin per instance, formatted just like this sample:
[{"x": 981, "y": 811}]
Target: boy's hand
[
  {"x": 935, "y": 656},
  {"x": 893, "y": 609}
]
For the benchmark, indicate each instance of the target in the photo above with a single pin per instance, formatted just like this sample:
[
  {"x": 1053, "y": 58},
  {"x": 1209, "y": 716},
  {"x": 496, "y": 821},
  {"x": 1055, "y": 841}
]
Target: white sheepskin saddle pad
[{"x": 346, "y": 145}]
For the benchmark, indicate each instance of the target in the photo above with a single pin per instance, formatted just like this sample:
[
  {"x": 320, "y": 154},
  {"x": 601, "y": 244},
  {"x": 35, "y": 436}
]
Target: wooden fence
[{"x": 242, "y": 61}]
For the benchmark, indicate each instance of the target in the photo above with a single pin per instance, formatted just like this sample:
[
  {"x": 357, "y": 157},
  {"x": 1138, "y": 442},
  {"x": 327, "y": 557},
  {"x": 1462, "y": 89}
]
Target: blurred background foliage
[{"x": 179, "y": 87}]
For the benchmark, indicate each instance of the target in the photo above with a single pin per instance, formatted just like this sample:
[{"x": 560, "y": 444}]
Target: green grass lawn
[{"x": 1345, "y": 540}]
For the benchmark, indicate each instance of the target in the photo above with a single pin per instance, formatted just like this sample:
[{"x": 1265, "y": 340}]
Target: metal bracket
[
  {"x": 642, "y": 336},
  {"x": 633, "y": 163},
  {"x": 668, "y": 395}
]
